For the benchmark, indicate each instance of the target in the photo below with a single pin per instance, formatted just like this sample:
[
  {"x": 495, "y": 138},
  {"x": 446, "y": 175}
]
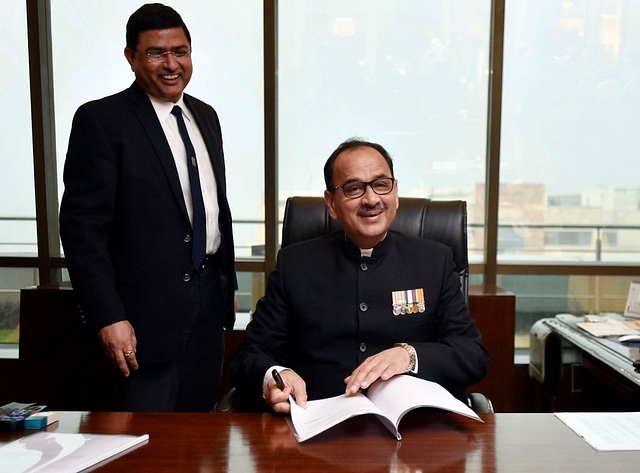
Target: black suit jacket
[
  {"x": 124, "y": 223},
  {"x": 327, "y": 309}
]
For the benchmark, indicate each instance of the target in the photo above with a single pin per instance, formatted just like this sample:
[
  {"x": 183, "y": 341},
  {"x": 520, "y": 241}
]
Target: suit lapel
[{"x": 149, "y": 120}]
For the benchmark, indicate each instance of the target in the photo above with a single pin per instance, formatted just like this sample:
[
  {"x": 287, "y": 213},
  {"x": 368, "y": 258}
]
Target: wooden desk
[{"x": 237, "y": 442}]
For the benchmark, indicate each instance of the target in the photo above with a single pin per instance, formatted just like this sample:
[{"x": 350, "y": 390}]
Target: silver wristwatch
[{"x": 412, "y": 356}]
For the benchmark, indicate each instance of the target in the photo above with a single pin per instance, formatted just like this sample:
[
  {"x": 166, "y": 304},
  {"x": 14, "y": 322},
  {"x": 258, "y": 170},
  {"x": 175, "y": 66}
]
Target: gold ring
[{"x": 128, "y": 353}]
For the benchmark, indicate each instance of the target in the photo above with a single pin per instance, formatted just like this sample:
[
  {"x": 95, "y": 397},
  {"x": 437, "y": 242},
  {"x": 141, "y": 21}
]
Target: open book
[{"x": 389, "y": 400}]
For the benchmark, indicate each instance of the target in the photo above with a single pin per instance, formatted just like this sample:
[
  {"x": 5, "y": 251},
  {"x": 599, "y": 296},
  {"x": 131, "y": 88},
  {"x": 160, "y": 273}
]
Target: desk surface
[{"x": 262, "y": 442}]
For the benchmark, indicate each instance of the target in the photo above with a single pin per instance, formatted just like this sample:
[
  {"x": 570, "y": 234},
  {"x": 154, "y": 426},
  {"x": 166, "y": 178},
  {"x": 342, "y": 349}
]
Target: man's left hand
[
  {"x": 383, "y": 365},
  {"x": 119, "y": 343}
]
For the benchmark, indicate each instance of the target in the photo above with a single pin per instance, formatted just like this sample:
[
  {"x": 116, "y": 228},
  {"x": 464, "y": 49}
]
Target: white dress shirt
[{"x": 205, "y": 169}]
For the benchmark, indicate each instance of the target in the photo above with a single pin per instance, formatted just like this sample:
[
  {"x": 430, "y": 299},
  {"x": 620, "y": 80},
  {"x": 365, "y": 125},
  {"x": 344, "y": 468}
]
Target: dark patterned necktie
[{"x": 198, "y": 250}]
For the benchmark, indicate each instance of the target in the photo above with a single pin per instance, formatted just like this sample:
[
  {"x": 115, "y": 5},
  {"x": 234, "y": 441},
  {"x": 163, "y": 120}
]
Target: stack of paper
[
  {"x": 62, "y": 452},
  {"x": 605, "y": 431},
  {"x": 609, "y": 328}
]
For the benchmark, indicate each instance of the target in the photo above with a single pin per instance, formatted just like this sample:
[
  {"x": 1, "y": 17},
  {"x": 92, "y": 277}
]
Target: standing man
[
  {"x": 327, "y": 322},
  {"x": 146, "y": 225}
]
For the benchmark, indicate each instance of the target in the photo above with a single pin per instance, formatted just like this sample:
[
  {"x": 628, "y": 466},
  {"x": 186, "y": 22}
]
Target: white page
[
  {"x": 400, "y": 394},
  {"x": 390, "y": 400},
  {"x": 63, "y": 452},
  {"x": 322, "y": 414},
  {"x": 605, "y": 431}
]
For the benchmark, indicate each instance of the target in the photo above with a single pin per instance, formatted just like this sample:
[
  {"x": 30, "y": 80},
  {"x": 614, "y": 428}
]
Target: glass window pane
[
  {"x": 228, "y": 74},
  {"x": 18, "y": 213},
  {"x": 569, "y": 187},
  {"x": 251, "y": 287},
  {"x": 540, "y": 296},
  {"x": 411, "y": 75},
  {"x": 11, "y": 281}
]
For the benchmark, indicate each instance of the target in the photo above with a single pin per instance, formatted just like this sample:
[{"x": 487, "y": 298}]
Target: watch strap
[{"x": 412, "y": 356}]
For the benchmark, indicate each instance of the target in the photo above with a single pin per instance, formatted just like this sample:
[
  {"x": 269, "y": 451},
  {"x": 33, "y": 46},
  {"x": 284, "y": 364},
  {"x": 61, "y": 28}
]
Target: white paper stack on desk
[{"x": 610, "y": 325}]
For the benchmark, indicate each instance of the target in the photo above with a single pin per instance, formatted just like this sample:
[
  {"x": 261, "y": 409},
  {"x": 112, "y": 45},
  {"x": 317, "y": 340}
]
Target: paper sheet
[
  {"x": 63, "y": 452},
  {"x": 325, "y": 413},
  {"x": 609, "y": 328},
  {"x": 389, "y": 400},
  {"x": 605, "y": 431}
]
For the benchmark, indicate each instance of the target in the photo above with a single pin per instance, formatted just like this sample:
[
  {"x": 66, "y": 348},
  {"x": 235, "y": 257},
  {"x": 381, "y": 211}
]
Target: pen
[{"x": 278, "y": 379}]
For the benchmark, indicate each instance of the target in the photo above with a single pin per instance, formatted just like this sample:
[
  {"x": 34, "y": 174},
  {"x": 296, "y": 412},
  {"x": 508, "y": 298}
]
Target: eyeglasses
[
  {"x": 381, "y": 186},
  {"x": 161, "y": 56}
]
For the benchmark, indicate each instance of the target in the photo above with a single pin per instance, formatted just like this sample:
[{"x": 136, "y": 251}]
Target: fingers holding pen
[
  {"x": 278, "y": 379},
  {"x": 283, "y": 384},
  {"x": 277, "y": 393}
]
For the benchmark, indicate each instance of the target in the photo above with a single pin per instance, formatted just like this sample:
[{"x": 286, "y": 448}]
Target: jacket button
[
  {"x": 364, "y": 307},
  {"x": 186, "y": 277},
  {"x": 363, "y": 266},
  {"x": 363, "y": 347},
  {"x": 186, "y": 238}
]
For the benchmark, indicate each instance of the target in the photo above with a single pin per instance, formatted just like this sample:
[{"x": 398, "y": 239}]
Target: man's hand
[
  {"x": 384, "y": 365},
  {"x": 119, "y": 343},
  {"x": 278, "y": 398}
]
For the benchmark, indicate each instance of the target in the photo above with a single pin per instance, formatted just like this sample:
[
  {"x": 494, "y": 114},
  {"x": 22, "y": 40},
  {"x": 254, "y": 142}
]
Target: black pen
[{"x": 278, "y": 379}]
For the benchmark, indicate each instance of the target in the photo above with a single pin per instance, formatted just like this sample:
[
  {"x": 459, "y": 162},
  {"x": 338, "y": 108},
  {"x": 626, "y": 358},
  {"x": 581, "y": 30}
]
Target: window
[
  {"x": 567, "y": 238},
  {"x": 18, "y": 213},
  {"x": 11, "y": 281},
  {"x": 570, "y": 97},
  {"x": 409, "y": 75},
  {"x": 571, "y": 91}
]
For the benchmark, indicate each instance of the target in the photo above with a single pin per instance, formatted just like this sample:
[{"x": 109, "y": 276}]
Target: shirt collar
[
  {"x": 368, "y": 251},
  {"x": 163, "y": 109},
  {"x": 375, "y": 253}
]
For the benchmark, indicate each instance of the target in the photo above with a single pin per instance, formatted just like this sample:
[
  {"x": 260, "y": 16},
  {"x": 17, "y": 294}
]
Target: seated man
[{"x": 327, "y": 322}]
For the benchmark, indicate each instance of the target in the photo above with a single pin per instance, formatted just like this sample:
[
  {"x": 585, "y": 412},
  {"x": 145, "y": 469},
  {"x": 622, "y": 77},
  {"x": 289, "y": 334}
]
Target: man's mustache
[{"x": 362, "y": 210}]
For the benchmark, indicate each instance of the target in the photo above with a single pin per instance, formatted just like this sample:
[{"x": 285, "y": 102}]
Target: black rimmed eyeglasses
[
  {"x": 355, "y": 189},
  {"x": 161, "y": 56}
]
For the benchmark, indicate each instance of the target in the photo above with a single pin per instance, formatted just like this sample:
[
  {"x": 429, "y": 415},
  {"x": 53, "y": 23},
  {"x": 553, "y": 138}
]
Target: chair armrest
[
  {"x": 480, "y": 403},
  {"x": 226, "y": 403}
]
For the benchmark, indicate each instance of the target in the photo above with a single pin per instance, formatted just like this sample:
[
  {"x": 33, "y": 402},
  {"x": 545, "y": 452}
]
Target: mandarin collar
[{"x": 379, "y": 251}]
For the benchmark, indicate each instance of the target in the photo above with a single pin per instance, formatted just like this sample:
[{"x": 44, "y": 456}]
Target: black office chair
[{"x": 442, "y": 221}]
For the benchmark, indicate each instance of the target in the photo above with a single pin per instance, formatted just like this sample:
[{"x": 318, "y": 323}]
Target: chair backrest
[{"x": 442, "y": 221}]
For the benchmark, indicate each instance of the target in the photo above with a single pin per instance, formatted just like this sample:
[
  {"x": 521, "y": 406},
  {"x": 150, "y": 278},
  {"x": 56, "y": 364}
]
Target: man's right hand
[
  {"x": 279, "y": 399},
  {"x": 119, "y": 343}
]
